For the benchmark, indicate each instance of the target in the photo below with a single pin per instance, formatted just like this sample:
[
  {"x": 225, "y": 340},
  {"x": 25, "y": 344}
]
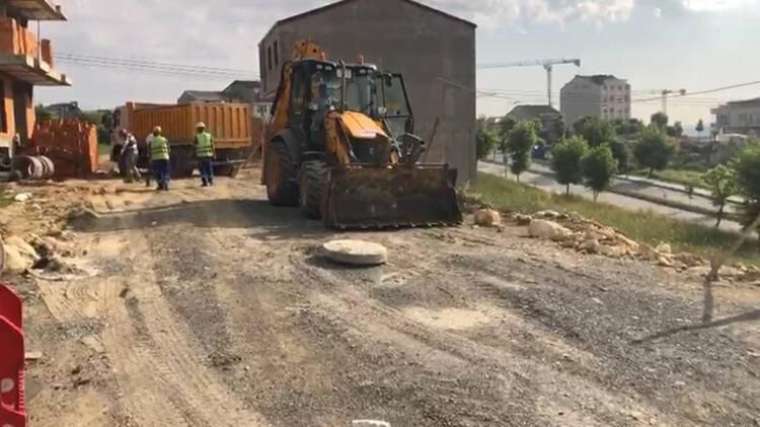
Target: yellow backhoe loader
[{"x": 341, "y": 146}]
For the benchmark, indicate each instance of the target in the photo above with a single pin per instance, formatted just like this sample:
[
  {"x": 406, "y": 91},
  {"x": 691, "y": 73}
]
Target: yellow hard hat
[
  {"x": 157, "y": 129},
  {"x": 200, "y": 125}
]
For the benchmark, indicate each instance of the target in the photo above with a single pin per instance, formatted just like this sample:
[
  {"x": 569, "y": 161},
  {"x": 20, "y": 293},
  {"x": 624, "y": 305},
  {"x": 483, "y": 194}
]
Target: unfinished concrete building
[
  {"x": 435, "y": 51},
  {"x": 25, "y": 61}
]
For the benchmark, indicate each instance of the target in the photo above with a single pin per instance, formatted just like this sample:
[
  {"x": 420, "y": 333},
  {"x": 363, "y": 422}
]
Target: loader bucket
[{"x": 365, "y": 197}]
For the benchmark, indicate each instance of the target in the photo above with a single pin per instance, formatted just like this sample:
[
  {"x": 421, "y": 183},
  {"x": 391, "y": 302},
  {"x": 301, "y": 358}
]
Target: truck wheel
[
  {"x": 282, "y": 189},
  {"x": 313, "y": 175}
]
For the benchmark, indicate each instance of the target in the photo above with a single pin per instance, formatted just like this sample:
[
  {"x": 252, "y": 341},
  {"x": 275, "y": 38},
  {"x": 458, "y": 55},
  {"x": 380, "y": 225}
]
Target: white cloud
[
  {"x": 657, "y": 12},
  {"x": 492, "y": 13},
  {"x": 716, "y": 5}
]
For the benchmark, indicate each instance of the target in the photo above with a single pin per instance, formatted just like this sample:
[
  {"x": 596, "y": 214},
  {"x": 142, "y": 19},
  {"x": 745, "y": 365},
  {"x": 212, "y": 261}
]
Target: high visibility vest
[
  {"x": 204, "y": 145},
  {"x": 159, "y": 148}
]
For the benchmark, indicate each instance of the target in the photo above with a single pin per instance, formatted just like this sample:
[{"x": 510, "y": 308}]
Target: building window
[
  {"x": 269, "y": 58},
  {"x": 276, "y": 54}
]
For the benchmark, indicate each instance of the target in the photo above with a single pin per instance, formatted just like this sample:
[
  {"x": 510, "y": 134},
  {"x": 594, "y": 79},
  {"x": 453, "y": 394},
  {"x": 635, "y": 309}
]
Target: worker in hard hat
[
  {"x": 204, "y": 151},
  {"x": 159, "y": 158}
]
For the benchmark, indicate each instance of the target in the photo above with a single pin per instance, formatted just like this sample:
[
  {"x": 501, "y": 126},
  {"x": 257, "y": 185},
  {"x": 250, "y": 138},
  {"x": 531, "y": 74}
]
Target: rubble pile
[{"x": 590, "y": 237}]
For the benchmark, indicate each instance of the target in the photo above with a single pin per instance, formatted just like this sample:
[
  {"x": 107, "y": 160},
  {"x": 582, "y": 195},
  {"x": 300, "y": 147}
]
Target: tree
[
  {"x": 595, "y": 131},
  {"x": 485, "y": 143},
  {"x": 676, "y": 130},
  {"x": 700, "y": 127},
  {"x": 660, "y": 120},
  {"x": 621, "y": 151},
  {"x": 722, "y": 183},
  {"x": 519, "y": 144},
  {"x": 653, "y": 150},
  {"x": 599, "y": 166},
  {"x": 567, "y": 157},
  {"x": 627, "y": 127},
  {"x": 747, "y": 166},
  {"x": 505, "y": 127}
]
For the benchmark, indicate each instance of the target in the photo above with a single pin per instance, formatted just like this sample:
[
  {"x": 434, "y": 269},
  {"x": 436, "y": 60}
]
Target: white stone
[
  {"x": 549, "y": 214},
  {"x": 22, "y": 197},
  {"x": 355, "y": 252},
  {"x": 664, "y": 249},
  {"x": 591, "y": 246},
  {"x": 549, "y": 230},
  {"x": 487, "y": 218},
  {"x": 19, "y": 255}
]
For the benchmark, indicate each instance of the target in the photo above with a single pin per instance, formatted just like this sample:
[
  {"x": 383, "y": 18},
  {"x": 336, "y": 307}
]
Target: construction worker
[
  {"x": 204, "y": 151},
  {"x": 159, "y": 158},
  {"x": 129, "y": 154}
]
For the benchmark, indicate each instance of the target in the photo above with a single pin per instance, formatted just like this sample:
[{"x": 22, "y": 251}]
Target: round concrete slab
[{"x": 355, "y": 252}]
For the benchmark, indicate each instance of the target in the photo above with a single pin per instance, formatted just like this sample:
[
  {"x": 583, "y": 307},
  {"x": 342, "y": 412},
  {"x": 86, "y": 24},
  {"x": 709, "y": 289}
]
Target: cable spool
[
  {"x": 37, "y": 169},
  {"x": 48, "y": 166}
]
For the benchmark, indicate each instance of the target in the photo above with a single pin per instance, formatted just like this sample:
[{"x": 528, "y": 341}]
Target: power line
[
  {"x": 707, "y": 91},
  {"x": 153, "y": 67},
  {"x": 151, "y": 63},
  {"x": 173, "y": 74}
]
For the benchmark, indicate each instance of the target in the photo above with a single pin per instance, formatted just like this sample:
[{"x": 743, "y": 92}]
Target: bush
[
  {"x": 567, "y": 157},
  {"x": 599, "y": 167},
  {"x": 654, "y": 151}
]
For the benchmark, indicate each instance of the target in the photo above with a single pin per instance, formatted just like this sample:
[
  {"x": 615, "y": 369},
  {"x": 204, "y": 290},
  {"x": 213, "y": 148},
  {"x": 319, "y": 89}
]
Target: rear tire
[
  {"x": 313, "y": 174},
  {"x": 282, "y": 189}
]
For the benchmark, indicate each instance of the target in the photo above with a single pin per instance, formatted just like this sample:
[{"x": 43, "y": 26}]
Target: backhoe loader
[{"x": 340, "y": 145}]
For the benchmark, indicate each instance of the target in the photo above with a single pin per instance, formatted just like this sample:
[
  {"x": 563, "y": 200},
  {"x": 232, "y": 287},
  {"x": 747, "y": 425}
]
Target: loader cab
[{"x": 397, "y": 111}]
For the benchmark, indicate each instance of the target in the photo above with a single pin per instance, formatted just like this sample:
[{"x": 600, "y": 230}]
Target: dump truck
[
  {"x": 341, "y": 145},
  {"x": 230, "y": 123}
]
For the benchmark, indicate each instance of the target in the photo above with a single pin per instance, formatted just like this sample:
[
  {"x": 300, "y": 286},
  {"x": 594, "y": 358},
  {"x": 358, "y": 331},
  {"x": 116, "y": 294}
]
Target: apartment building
[{"x": 603, "y": 96}]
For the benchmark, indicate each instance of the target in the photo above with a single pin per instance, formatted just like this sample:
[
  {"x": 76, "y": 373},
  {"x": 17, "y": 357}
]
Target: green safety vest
[
  {"x": 204, "y": 145},
  {"x": 159, "y": 148}
]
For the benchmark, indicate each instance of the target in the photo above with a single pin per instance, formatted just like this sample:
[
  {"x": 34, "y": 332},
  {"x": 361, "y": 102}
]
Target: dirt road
[{"x": 208, "y": 307}]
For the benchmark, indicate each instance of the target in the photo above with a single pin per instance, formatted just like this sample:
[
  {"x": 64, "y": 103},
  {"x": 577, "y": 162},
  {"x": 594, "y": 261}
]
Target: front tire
[
  {"x": 282, "y": 189},
  {"x": 312, "y": 180}
]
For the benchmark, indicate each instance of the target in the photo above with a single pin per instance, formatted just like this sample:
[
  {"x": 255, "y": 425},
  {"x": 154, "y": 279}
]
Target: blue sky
[{"x": 655, "y": 44}]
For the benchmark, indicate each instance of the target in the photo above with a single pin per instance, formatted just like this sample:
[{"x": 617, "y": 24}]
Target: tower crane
[
  {"x": 665, "y": 93},
  {"x": 548, "y": 65}
]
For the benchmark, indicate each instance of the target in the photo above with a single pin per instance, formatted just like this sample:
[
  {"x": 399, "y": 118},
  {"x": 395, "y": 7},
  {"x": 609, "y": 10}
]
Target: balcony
[{"x": 26, "y": 58}]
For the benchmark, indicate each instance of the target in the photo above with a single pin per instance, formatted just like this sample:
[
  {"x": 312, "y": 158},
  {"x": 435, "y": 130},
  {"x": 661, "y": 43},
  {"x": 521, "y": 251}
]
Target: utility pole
[
  {"x": 549, "y": 71},
  {"x": 665, "y": 94}
]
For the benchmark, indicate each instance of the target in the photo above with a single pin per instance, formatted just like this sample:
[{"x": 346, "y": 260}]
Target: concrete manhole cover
[{"x": 355, "y": 252}]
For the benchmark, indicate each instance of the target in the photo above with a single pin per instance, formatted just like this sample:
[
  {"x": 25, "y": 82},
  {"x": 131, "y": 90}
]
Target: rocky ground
[{"x": 209, "y": 307}]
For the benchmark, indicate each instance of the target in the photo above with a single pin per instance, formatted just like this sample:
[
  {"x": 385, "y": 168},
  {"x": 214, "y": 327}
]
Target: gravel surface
[{"x": 213, "y": 308}]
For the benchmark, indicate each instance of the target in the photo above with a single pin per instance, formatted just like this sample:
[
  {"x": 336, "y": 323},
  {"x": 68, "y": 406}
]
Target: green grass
[
  {"x": 642, "y": 226},
  {"x": 5, "y": 197},
  {"x": 677, "y": 176}
]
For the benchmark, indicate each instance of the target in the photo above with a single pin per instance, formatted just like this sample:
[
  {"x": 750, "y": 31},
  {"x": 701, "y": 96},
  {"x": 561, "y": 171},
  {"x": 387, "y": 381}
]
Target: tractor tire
[
  {"x": 313, "y": 175},
  {"x": 281, "y": 176}
]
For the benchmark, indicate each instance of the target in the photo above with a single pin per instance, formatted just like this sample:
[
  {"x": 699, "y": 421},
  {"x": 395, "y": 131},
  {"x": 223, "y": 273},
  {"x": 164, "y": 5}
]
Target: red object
[
  {"x": 12, "y": 410},
  {"x": 72, "y": 145}
]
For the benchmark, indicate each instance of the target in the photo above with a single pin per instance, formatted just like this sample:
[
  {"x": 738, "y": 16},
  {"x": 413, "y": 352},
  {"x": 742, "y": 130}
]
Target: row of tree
[{"x": 593, "y": 154}]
